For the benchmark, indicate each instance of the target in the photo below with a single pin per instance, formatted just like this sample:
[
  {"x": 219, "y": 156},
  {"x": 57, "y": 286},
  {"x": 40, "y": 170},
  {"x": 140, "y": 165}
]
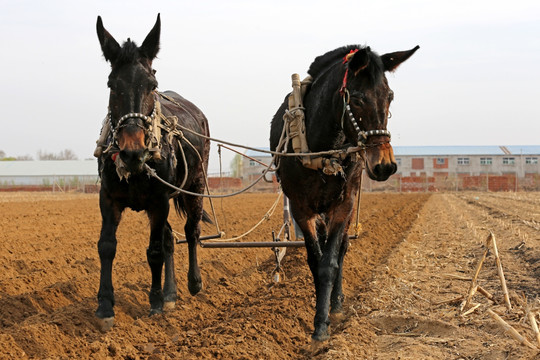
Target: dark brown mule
[
  {"x": 132, "y": 144},
  {"x": 346, "y": 105}
]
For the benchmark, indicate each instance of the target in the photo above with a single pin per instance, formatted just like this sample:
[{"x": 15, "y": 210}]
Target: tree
[
  {"x": 3, "y": 157},
  {"x": 66, "y": 154}
]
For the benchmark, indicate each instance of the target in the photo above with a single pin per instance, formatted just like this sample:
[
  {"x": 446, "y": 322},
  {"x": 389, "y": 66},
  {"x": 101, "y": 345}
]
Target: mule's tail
[{"x": 181, "y": 210}]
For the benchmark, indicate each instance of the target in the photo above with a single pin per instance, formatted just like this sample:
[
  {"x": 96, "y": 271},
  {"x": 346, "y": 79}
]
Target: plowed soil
[{"x": 403, "y": 281}]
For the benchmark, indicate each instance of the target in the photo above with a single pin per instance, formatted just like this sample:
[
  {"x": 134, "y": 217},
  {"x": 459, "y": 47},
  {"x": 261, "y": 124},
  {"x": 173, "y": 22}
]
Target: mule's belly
[{"x": 315, "y": 190}]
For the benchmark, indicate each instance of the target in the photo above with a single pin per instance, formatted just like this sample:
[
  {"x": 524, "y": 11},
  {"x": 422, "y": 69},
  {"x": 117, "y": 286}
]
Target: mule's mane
[
  {"x": 129, "y": 53},
  {"x": 321, "y": 63}
]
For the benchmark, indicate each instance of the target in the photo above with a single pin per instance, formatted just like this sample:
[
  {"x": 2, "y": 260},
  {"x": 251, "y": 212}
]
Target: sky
[{"x": 474, "y": 81}]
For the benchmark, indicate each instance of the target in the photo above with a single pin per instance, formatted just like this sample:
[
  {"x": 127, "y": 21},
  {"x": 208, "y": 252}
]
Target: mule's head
[
  {"x": 131, "y": 100},
  {"x": 366, "y": 90}
]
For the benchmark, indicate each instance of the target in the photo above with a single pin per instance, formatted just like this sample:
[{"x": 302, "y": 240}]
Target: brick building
[
  {"x": 467, "y": 160},
  {"x": 432, "y": 168}
]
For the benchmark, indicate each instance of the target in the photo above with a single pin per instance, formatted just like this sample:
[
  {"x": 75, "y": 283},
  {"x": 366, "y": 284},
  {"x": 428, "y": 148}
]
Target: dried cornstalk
[
  {"x": 471, "y": 310},
  {"x": 500, "y": 271},
  {"x": 450, "y": 301},
  {"x": 421, "y": 298},
  {"x": 472, "y": 290},
  {"x": 473, "y": 287},
  {"x": 534, "y": 325},
  {"x": 456, "y": 277},
  {"x": 487, "y": 294},
  {"x": 510, "y": 330}
]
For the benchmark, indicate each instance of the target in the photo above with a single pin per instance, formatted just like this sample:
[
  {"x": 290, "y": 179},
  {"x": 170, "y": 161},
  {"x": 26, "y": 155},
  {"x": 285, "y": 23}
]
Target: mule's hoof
[
  {"x": 156, "y": 312},
  {"x": 319, "y": 336},
  {"x": 105, "y": 324},
  {"x": 194, "y": 287},
  {"x": 169, "y": 305}
]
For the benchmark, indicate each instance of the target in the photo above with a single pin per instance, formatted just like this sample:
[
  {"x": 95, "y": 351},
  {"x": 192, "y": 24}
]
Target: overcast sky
[{"x": 474, "y": 81}]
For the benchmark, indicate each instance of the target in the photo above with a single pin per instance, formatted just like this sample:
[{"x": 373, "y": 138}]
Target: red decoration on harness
[
  {"x": 346, "y": 58},
  {"x": 349, "y": 55},
  {"x": 114, "y": 156}
]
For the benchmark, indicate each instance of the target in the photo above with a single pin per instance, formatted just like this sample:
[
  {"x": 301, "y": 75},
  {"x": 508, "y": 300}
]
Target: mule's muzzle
[
  {"x": 134, "y": 159},
  {"x": 382, "y": 172}
]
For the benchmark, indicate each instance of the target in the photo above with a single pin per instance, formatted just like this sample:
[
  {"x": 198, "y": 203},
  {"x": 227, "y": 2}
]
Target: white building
[
  {"x": 520, "y": 161},
  {"x": 48, "y": 172}
]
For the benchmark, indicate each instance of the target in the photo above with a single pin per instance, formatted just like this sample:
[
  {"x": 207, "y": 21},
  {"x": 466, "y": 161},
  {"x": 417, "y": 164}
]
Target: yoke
[{"x": 294, "y": 120}]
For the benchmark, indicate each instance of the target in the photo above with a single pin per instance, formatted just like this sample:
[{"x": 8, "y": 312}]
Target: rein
[{"x": 344, "y": 92}]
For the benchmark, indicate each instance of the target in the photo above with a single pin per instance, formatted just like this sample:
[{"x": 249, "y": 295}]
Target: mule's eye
[{"x": 357, "y": 101}]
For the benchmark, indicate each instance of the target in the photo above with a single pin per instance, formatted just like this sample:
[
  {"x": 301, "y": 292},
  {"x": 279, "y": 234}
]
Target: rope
[
  {"x": 205, "y": 181},
  {"x": 266, "y": 216},
  {"x": 277, "y": 153},
  {"x": 358, "y": 226},
  {"x": 153, "y": 173},
  {"x": 269, "y": 213}
]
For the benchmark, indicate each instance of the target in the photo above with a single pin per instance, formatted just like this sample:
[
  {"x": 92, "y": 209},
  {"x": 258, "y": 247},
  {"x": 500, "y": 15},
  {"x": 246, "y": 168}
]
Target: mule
[
  {"x": 140, "y": 133},
  {"x": 346, "y": 105}
]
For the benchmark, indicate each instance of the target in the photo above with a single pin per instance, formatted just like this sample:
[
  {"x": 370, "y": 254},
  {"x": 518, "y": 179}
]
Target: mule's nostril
[
  {"x": 383, "y": 172},
  {"x": 134, "y": 159},
  {"x": 394, "y": 168}
]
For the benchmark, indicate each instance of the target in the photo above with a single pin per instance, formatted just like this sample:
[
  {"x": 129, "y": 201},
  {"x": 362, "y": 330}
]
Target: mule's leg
[
  {"x": 194, "y": 211},
  {"x": 337, "y": 297},
  {"x": 313, "y": 250},
  {"x": 329, "y": 267},
  {"x": 169, "y": 285},
  {"x": 308, "y": 224},
  {"x": 157, "y": 213},
  {"x": 110, "y": 216}
]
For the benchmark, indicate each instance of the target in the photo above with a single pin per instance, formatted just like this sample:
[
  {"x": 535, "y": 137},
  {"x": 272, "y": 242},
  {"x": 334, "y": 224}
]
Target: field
[{"x": 403, "y": 278}]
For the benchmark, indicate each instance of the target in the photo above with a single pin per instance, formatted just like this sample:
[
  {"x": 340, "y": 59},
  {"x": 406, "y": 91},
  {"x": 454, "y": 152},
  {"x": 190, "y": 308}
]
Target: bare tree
[{"x": 66, "y": 154}]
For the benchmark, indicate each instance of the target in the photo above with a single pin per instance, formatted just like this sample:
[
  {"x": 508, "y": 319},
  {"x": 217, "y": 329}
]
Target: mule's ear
[
  {"x": 392, "y": 60},
  {"x": 109, "y": 45},
  {"x": 359, "y": 60},
  {"x": 150, "y": 45}
]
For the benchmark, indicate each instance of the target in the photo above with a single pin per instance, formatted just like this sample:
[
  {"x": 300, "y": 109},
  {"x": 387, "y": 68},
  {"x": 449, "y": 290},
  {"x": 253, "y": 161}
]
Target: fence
[
  {"x": 396, "y": 183},
  {"x": 457, "y": 182}
]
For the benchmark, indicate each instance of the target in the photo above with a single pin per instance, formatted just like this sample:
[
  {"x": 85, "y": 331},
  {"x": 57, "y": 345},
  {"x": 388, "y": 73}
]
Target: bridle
[
  {"x": 344, "y": 92},
  {"x": 123, "y": 122}
]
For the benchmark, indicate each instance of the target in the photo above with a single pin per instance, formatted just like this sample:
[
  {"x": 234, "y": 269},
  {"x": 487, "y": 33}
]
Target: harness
[
  {"x": 294, "y": 119},
  {"x": 152, "y": 126}
]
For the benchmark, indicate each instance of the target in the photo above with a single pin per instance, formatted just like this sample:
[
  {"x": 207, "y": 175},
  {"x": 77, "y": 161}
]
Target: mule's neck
[{"x": 324, "y": 107}]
